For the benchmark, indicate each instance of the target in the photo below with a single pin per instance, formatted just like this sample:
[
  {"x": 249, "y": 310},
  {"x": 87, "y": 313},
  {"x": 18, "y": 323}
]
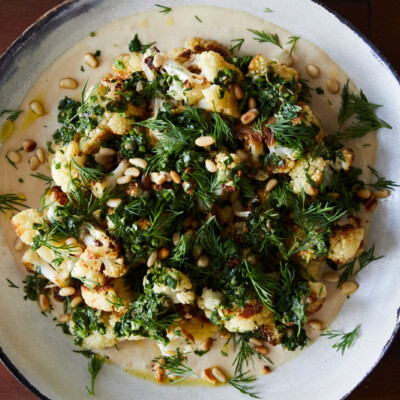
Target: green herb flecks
[
  {"x": 136, "y": 45},
  {"x": 12, "y": 284},
  {"x": 164, "y": 9},
  {"x": 198, "y": 19}
]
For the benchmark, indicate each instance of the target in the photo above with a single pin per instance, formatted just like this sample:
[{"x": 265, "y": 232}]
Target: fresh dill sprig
[
  {"x": 11, "y": 162},
  {"x": 222, "y": 130},
  {"x": 236, "y": 44},
  {"x": 47, "y": 179},
  {"x": 136, "y": 45},
  {"x": 164, "y": 9},
  {"x": 263, "y": 37},
  {"x": 176, "y": 365},
  {"x": 346, "y": 340},
  {"x": 198, "y": 19},
  {"x": 10, "y": 201},
  {"x": 13, "y": 114},
  {"x": 95, "y": 365},
  {"x": 381, "y": 183},
  {"x": 12, "y": 284},
  {"x": 182, "y": 251},
  {"x": 293, "y": 41},
  {"x": 116, "y": 302},
  {"x": 242, "y": 382},
  {"x": 268, "y": 10},
  {"x": 87, "y": 174}
]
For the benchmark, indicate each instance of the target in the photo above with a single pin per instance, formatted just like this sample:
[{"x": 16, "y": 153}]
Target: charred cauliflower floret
[
  {"x": 344, "y": 160},
  {"x": 212, "y": 101},
  {"x": 24, "y": 222},
  {"x": 346, "y": 240},
  {"x": 199, "y": 45},
  {"x": 110, "y": 181},
  {"x": 126, "y": 64},
  {"x": 316, "y": 298}
]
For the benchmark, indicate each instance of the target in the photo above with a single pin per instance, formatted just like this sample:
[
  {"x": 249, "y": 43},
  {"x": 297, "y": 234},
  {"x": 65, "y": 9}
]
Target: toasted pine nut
[
  {"x": 44, "y": 303},
  {"x": 40, "y": 155},
  {"x": 28, "y": 145},
  {"x": 91, "y": 60},
  {"x": 159, "y": 374},
  {"x": 209, "y": 376},
  {"x": 163, "y": 253},
  {"x": 255, "y": 341},
  {"x": 14, "y": 157},
  {"x": 189, "y": 232},
  {"x": 187, "y": 222},
  {"x": 266, "y": 370},
  {"x": 312, "y": 70},
  {"x": 242, "y": 154},
  {"x": 195, "y": 224},
  {"x": 248, "y": 117},
  {"x": 204, "y": 141},
  {"x": 167, "y": 175},
  {"x": 161, "y": 179},
  {"x": 68, "y": 83},
  {"x": 254, "y": 110},
  {"x": 382, "y": 194},
  {"x": 271, "y": 184},
  {"x": 154, "y": 176},
  {"x": 158, "y": 61},
  {"x": 122, "y": 180},
  {"x": 315, "y": 324},
  {"x": 176, "y": 237},
  {"x": 70, "y": 241},
  {"x": 34, "y": 163},
  {"x": 37, "y": 107},
  {"x": 261, "y": 349},
  {"x": 132, "y": 171},
  {"x": 363, "y": 194},
  {"x": 224, "y": 334},
  {"x": 66, "y": 291},
  {"x": 331, "y": 277},
  {"x": 210, "y": 166},
  {"x": 138, "y": 162},
  {"x": 152, "y": 258},
  {"x": 64, "y": 318},
  {"x": 332, "y": 195},
  {"x": 18, "y": 244},
  {"x": 203, "y": 261},
  {"x": 175, "y": 177},
  {"x": 219, "y": 374},
  {"x": 107, "y": 152},
  {"x": 238, "y": 92},
  {"x": 251, "y": 103},
  {"x": 196, "y": 252},
  {"x": 333, "y": 85},
  {"x": 205, "y": 345},
  {"x": 233, "y": 196},
  {"x": 76, "y": 301},
  {"x": 349, "y": 287},
  {"x": 114, "y": 203}
]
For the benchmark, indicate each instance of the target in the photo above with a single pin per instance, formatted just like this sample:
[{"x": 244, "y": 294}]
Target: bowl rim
[{"x": 45, "y": 18}]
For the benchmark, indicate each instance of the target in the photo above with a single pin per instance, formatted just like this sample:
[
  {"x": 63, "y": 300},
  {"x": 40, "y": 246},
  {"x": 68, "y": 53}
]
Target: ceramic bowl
[{"x": 40, "y": 356}]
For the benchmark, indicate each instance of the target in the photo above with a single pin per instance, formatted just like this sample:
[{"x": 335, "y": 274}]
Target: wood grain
[{"x": 376, "y": 18}]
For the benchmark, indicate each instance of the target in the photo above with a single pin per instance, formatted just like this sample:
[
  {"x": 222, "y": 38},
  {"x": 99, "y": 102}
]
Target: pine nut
[
  {"x": 44, "y": 303},
  {"x": 91, "y": 60},
  {"x": 107, "y": 152},
  {"x": 312, "y": 70},
  {"x": 242, "y": 154},
  {"x": 224, "y": 334},
  {"x": 63, "y": 318},
  {"x": 40, "y": 155},
  {"x": 122, "y": 180},
  {"x": 167, "y": 175},
  {"x": 138, "y": 162},
  {"x": 196, "y": 252},
  {"x": 204, "y": 141},
  {"x": 251, "y": 103},
  {"x": 161, "y": 179},
  {"x": 349, "y": 287},
  {"x": 14, "y": 157},
  {"x": 152, "y": 258},
  {"x": 255, "y": 341},
  {"x": 248, "y": 117},
  {"x": 261, "y": 349},
  {"x": 363, "y": 194},
  {"x": 254, "y": 110},
  {"x": 114, "y": 203},
  {"x": 159, "y": 374},
  {"x": 266, "y": 370},
  {"x": 37, "y": 108},
  {"x": 176, "y": 237},
  {"x": 132, "y": 171},
  {"x": 332, "y": 195},
  {"x": 209, "y": 377},
  {"x": 71, "y": 241},
  {"x": 28, "y": 145},
  {"x": 66, "y": 291},
  {"x": 76, "y": 301},
  {"x": 195, "y": 224},
  {"x": 187, "y": 222},
  {"x": 189, "y": 232},
  {"x": 331, "y": 277},
  {"x": 34, "y": 163},
  {"x": 238, "y": 92},
  {"x": 205, "y": 345},
  {"x": 210, "y": 166},
  {"x": 163, "y": 253},
  {"x": 233, "y": 196},
  {"x": 382, "y": 194},
  {"x": 175, "y": 177},
  {"x": 153, "y": 176},
  {"x": 203, "y": 261},
  {"x": 315, "y": 324},
  {"x": 18, "y": 244},
  {"x": 68, "y": 83},
  {"x": 333, "y": 85},
  {"x": 219, "y": 374},
  {"x": 271, "y": 184},
  {"x": 158, "y": 61}
]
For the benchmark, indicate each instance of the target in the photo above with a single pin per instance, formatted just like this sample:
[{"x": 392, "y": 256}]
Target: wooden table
[{"x": 378, "y": 19}]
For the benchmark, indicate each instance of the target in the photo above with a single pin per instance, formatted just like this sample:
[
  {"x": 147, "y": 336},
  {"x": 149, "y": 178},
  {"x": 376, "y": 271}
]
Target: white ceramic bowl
[{"x": 40, "y": 356}]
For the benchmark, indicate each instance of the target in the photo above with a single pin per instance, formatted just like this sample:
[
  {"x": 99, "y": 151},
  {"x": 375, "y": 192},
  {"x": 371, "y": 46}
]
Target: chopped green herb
[
  {"x": 236, "y": 44},
  {"x": 263, "y": 37},
  {"x": 346, "y": 340},
  {"x": 13, "y": 114},
  {"x": 242, "y": 382},
  {"x": 95, "y": 365},
  {"x": 293, "y": 41},
  {"x": 10, "y": 202},
  {"x": 92, "y": 34},
  {"x": 164, "y": 10},
  {"x": 198, "y": 19},
  {"x": 12, "y": 284},
  {"x": 136, "y": 45}
]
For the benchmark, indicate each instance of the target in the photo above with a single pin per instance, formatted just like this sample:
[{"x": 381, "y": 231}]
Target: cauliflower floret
[
  {"x": 110, "y": 181},
  {"x": 346, "y": 240},
  {"x": 175, "y": 341},
  {"x": 62, "y": 168},
  {"x": 307, "y": 116},
  {"x": 198, "y": 45},
  {"x": 225, "y": 163},
  {"x": 344, "y": 160},
  {"x": 86, "y": 274},
  {"x": 311, "y": 269},
  {"x": 127, "y": 64},
  {"x": 23, "y": 224},
  {"x": 307, "y": 175},
  {"x": 317, "y": 297},
  {"x": 252, "y": 140},
  {"x": 180, "y": 55},
  {"x": 209, "y": 300},
  {"x": 227, "y": 105}
]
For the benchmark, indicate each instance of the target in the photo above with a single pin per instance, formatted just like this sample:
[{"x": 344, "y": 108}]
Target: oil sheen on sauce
[{"x": 169, "y": 31}]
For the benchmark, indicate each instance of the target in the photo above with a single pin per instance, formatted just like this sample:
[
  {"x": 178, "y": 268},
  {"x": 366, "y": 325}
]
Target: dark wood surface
[{"x": 379, "y": 20}]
